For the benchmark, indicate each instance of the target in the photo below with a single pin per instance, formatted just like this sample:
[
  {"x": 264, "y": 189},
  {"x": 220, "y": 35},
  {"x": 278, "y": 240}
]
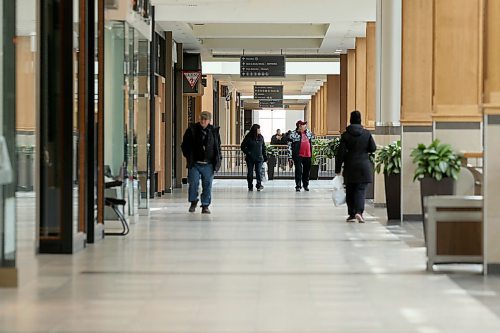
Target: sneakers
[
  {"x": 359, "y": 218},
  {"x": 350, "y": 219},
  {"x": 260, "y": 188},
  {"x": 250, "y": 189},
  {"x": 297, "y": 189},
  {"x": 306, "y": 188},
  {"x": 205, "y": 210},
  {"x": 192, "y": 208}
]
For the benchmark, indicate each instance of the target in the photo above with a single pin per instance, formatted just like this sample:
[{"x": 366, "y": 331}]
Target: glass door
[{"x": 8, "y": 272}]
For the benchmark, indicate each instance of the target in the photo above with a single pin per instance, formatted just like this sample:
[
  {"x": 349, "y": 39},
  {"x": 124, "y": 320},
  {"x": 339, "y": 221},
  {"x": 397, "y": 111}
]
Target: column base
[{"x": 8, "y": 277}]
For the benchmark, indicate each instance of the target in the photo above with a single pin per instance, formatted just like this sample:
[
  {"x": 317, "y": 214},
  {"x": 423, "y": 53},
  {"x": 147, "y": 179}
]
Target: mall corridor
[{"x": 271, "y": 261}]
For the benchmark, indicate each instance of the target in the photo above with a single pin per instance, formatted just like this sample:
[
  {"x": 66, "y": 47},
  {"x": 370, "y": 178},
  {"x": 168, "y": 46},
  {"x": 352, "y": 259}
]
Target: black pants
[
  {"x": 355, "y": 198},
  {"x": 302, "y": 171},
  {"x": 251, "y": 166}
]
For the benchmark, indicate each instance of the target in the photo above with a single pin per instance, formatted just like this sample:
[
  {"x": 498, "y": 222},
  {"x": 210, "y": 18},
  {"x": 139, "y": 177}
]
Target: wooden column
[
  {"x": 370, "y": 75},
  {"x": 361, "y": 78},
  {"x": 416, "y": 94},
  {"x": 333, "y": 114},
  {"x": 343, "y": 94},
  {"x": 351, "y": 83}
]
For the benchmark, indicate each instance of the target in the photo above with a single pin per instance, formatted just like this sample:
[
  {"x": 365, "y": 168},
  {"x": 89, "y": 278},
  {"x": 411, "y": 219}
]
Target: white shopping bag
[
  {"x": 263, "y": 171},
  {"x": 338, "y": 195}
]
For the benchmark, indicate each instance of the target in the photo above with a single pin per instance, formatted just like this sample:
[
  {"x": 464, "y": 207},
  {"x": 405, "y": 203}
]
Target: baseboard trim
[
  {"x": 380, "y": 205},
  {"x": 412, "y": 217},
  {"x": 493, "y": 269}
]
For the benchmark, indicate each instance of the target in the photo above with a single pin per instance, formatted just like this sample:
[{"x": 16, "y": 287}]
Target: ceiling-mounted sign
[
  {"x": 271, "y": 103},
  {"x": 267, "y": 92},
  {"x": 192, "y": 77},
  {"x": 262, "y": 66}
]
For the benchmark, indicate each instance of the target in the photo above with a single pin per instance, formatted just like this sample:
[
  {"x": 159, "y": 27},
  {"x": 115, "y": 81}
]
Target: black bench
[{"x": 115, "y": 204}]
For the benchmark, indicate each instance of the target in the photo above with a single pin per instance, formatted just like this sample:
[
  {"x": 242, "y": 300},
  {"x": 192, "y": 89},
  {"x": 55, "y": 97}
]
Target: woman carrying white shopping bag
[
  {"x": 356, "y": 143},
  {"x": 338, "y": 195}
]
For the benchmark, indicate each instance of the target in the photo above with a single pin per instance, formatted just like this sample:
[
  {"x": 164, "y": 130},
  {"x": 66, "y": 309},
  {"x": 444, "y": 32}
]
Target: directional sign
[
  {"x": 262, "y": 66},
  {"x": 267, "y": 92},
  {"x": 271, "y": 103}
]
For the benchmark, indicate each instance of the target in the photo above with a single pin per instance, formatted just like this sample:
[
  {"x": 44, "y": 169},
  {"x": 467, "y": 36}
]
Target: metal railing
[{"x": 234, "y": 166}]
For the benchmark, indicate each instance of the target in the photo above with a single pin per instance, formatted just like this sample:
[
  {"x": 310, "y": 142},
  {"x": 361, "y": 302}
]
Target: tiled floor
[{"x": 271, "y": 261}]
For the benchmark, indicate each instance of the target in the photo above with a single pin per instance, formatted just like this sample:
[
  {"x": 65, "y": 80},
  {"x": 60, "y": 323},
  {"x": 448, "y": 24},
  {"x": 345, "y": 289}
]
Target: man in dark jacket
[
  {"x": 202, "y": 149},
  {"x": 356, "y": 143},
  {"x": 277, "y": 138},
  {"x": 300, "y": 151}
]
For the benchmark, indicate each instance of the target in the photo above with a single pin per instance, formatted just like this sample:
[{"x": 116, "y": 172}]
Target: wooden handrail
[{"x": 472, "y": 154}]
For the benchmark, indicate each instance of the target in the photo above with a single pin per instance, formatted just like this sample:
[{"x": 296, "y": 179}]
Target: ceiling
[{"x": 312, "y": 30}]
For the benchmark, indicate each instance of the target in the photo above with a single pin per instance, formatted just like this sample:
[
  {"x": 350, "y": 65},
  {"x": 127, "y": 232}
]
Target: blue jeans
[
  {"x": 206, "y": 173},
  {"x": 251, "y": 166}
]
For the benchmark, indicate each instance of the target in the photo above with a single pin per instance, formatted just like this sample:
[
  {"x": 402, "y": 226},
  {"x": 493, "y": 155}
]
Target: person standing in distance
[
  {"x": 201, "y": 146},
  {"x": 356, "y": 144},
  {"x": 254, "y": 148},
  {"x": 300, "y": 151}
]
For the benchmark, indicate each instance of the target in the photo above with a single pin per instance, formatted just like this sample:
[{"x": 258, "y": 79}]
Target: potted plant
[
  {"x": 388, "y": 160},
  {"x": 314, "y": 173},
  {"x": 272, "y": 153},
  {"x": 437, "y": 169}
]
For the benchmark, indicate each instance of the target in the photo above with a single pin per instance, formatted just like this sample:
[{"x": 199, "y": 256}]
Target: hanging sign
[
  {"x": 192, "y": 77},
  {"x": 267, "y": 92},
  {"x": 262, "y": 66}
]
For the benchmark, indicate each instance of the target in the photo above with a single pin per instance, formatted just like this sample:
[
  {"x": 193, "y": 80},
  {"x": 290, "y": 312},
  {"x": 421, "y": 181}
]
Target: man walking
[
  {"x": 300, "y": 151},
  {"x": 202, "y": 150}
]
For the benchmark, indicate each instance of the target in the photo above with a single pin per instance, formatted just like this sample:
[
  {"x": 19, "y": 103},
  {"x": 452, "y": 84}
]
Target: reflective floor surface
[{"x": 271, "y": 261}]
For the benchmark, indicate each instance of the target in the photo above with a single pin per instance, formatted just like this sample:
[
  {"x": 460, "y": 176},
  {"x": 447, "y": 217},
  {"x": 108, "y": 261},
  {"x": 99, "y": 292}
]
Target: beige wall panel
[
  {"x": 351, "y": 82},
  {"x": 333, "y": 99},
  {"x": 25, "y": 85},
  {"x": 492, "y": 53},
  {"x": 370, "y": 75},
  {"x": 410, "y": 194},
  {"x": 457, "y": 61},
  {"x": 416, "y": 85},
  {"x": 361, "y": 77},
  {"x": 467, "y": 140}
]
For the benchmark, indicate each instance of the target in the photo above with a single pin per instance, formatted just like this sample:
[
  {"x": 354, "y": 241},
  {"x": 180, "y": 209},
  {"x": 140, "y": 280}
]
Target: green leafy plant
[
  {"x": 389, "y": 158},
  {"x": 333, "y": 147},
  {"x": 271, "y": 150},
  {"x": 437, "y": 160}
]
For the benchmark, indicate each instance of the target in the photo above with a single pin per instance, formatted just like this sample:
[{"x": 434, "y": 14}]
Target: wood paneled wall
[
  {"x": 417, "y": 53},
  {"x": 492, "y": 53},
  {"x": 457, "y": 58}
]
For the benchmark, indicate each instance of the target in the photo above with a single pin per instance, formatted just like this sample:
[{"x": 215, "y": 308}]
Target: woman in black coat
[
  {"x": 356, "y": 143},
  {"x": 254, "y": 148}
]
